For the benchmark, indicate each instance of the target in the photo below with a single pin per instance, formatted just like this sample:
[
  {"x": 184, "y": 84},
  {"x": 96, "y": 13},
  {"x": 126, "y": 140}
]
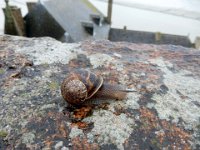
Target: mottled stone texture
[{"x": 163, "y": 113}]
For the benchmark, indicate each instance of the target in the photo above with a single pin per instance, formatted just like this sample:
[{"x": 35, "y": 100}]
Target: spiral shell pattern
[{"x": 80, "y": 86}]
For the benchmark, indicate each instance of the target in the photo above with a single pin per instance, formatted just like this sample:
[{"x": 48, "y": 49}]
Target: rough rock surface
[{"x": 163, "y": 113}]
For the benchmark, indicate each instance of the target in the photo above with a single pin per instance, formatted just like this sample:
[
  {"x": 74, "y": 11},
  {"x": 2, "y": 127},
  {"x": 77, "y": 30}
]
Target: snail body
[{"x": 82, "y": 85}]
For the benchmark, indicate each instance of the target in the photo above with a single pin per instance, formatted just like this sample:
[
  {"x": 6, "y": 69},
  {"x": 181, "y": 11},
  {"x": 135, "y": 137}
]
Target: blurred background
[{"x": 141, "y": 21}]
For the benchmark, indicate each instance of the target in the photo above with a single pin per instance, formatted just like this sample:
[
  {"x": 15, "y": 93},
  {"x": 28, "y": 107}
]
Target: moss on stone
[
  {"x": 53, "y": 85},
  {"x": 198, "y": 126},
  {"x": 2, "y": 71},
  {"x": 3, "y": 133}
]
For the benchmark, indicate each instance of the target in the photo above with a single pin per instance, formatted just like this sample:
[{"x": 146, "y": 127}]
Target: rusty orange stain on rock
[
  {"x": 173, "y": 132},
  {"x": 153, "y": 77},
  {"x": 155, "y": 54},
  {"x": 82, "y": 112},
  {"x": 80, "y": 125},
  {"x": 60, "y": 125},
  {"x": 148, "y": 119},
  {"x": 83, "y": 144},
  {"x": 169, "y": 132},
  {"x": 62, "y": 130},
  {"x": 48, "y": 129},
  {"x": 48, "y": 142}
]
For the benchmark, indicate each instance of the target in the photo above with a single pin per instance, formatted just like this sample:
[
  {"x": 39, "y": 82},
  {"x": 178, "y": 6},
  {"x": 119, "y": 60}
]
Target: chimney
[{"x": 109, "y": 15}]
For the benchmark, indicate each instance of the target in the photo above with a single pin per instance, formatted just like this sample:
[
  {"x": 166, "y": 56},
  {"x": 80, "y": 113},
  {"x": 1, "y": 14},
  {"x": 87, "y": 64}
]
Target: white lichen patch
[
  {"x": 48, "y": 106},
  {"x": 28, "y": 138},
  {"x": 100, "y": 60},
  {"x": 19, "y": 103},
  {"x": 58, "y": 145},
  {"x": 75, "y": 132},
  {"x": 117, "y": 55},
  {"x": 50, "y": 71},
  {"x": 123, "y": 78},
  {"x": 50, "y": 51},
  {"x": 118, "y": 66},
  {"x": 179, "y": 101},
  {"x": 132, "y": 100},
  {"x": 104, "y": 60},
  {"x": 110, "y": 128}
]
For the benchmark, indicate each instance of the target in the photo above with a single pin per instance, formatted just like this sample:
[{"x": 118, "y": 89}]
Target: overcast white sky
[{"x": 186, "y": 4}]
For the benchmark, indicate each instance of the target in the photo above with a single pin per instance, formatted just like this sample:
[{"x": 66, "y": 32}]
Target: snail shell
[{"x": 82, "y": 85}]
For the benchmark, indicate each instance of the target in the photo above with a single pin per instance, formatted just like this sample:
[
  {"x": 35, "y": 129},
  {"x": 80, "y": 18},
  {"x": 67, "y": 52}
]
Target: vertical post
[
  {"x": 18, "y": 21},
  {"x": 158, "y": 37},
  {"x": 9, "y": 27},
  {"x": 14, "y": 23},
  {"x": 6, "y": 1},
  {"x": 109, "y": 14},
  {"x": 30, "y": 6},
  {"x": 197, "y": 43}
]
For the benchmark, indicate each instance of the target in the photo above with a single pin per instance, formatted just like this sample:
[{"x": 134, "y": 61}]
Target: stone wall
[{"x": 148, "y": 37}]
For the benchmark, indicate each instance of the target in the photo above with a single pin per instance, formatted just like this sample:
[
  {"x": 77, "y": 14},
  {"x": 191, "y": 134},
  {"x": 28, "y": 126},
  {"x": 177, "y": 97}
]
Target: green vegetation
[
  {"x": 53, "y": 85},
  {"x": 198, "y": 126},
  {"x": 3, "y": 134},
  {"x": 2, "y": 71},
  {"x": 45, "y": 64},
  {"x": 156, "y": 143}
]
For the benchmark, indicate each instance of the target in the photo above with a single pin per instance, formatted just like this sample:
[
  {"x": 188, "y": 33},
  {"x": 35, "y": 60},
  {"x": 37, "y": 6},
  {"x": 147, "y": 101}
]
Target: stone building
[{"x": 68, "y": 21}]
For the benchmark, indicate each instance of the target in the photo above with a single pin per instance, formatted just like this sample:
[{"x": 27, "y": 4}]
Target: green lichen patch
[
  {"x": 53, "y": 85},
  {"x": 3, "y": 134},
  {"x": 2, "y": 71}
]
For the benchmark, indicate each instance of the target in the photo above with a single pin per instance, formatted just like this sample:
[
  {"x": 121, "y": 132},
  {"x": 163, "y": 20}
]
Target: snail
[{"x": 82, "y": 85}]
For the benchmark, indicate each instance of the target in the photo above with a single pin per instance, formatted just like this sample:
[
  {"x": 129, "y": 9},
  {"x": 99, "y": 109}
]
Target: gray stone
[{"x": 163, "y": 113}]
